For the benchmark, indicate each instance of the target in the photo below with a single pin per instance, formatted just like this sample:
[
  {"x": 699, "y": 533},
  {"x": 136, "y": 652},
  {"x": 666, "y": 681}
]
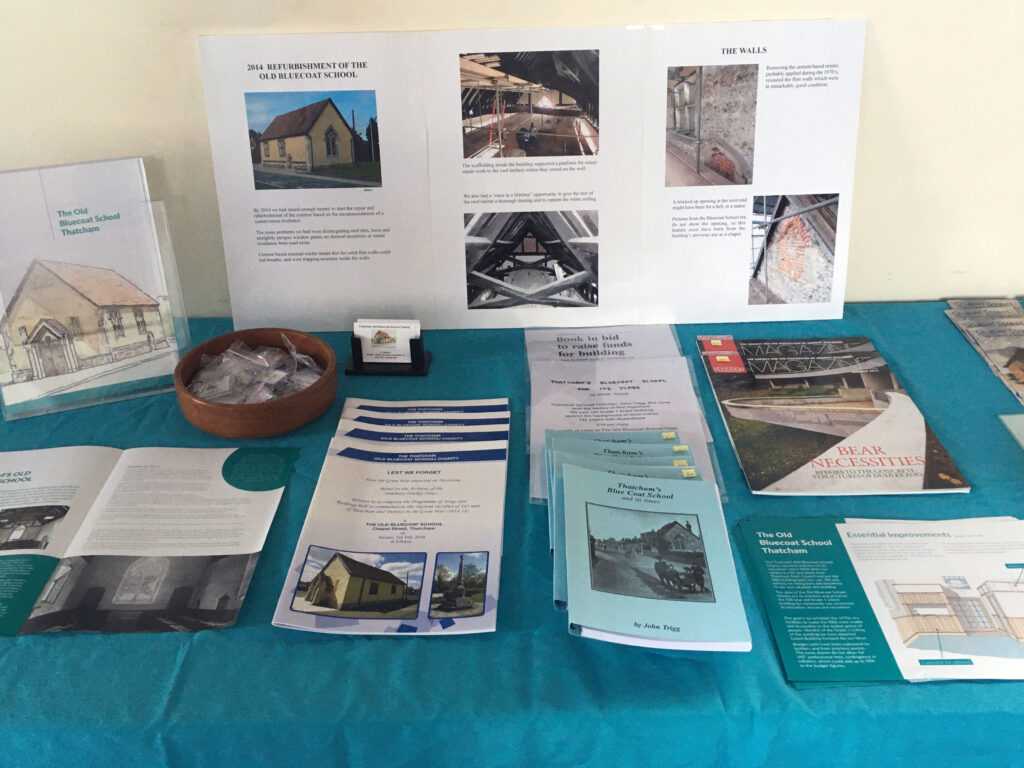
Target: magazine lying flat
[
  {"x": 823, "y": 416},
  {"x": 404, "y": 532},
  {"x": 143, "y": 540},
  {"x": 871, "y": 601},
  {"x": 995, "y": 328},
  {"x": 1015, "y": 423},
  {"x": 649, "y": 563}
]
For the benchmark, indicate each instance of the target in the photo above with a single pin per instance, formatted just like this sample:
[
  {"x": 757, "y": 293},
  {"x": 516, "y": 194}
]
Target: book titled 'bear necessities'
[{"x": 823, "y": 416}]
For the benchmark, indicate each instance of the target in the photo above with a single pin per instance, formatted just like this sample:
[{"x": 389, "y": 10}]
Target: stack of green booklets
[
  {"x": 640, "y": 551},
  {"x": 860, "y": 601}
]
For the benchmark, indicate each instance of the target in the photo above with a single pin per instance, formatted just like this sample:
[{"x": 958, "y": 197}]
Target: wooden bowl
[{"x": 258, "y": 419}]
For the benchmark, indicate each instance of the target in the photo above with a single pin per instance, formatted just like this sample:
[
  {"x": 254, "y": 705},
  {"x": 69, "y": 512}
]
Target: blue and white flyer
[
  {"x": 402, "y": 536},
  {"x": 650, "y": 564}
]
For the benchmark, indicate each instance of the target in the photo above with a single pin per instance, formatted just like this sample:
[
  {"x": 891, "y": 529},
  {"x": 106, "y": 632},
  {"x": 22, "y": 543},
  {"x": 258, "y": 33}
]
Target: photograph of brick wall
[
  {"x": 793, "y": 242},
  {"x": 709, "y": 127}
]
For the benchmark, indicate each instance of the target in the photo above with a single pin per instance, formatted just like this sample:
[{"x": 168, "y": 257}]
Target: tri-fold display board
[{"x": 561, "y": 177}]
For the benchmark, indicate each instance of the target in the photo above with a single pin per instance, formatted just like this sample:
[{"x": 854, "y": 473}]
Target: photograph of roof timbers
[
  {"x": 529, "y": 103},
  {"x": 546, "y": 258}
]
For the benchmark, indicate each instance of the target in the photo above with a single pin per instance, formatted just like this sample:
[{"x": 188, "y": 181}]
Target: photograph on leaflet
[
  {"x": 313, "y": 139},
  {"x": 360, "y": 585},
  {"x": 460, "y": 585},
  {"x": 792, "y": 249},
  {"x": 529, "y": 104},
  {"x": 709, "y": 128},
  {"x": 538, "y": 258},
  {"x": 647, "y": 554}
]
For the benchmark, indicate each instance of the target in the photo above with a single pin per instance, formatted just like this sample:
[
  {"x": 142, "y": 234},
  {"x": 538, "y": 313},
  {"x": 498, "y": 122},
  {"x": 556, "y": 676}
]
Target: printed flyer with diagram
[
  {"x": 143, "y": 540},
  {"x": 573, "y": 176},
  {"x": 649, "y": 563},
  {"x": 823, "y": 416},
  {"x": 868, "y": 601},
  {"x": 402, "y": 536}
]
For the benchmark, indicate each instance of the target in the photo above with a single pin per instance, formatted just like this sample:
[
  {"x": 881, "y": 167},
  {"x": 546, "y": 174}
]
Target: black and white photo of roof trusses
[
  {"x": 545, "y": 258},
  {"x": 529, "y": 103}
]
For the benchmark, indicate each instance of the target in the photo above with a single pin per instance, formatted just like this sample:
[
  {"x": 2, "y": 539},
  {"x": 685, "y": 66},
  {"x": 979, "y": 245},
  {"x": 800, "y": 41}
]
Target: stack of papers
[
  {"x": 640, "y": 550},
  {"x": 874, "y": 601},
  {"x": 995, "y": 328},
  {"x": 404, "y": 531}
]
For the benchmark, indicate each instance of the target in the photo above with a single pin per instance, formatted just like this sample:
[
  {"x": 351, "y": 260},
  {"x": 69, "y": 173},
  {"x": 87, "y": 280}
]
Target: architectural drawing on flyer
[
  {"x": 113, "y": 593},
  {"x": 29, "y": 527},
  {"x": 543, "y": 258},
  {"x": 73, "y": 326},
  {"x": 529, "y": 103},
  {"x": 709, "y": 131},
  {"x": 459, "y": 585},
  {"x": 312, "y": 140},
  {"x": 792, "y": 249},
  {"x": 945, "y": 614},
  {"x": 360, "y": 585},
  {"x": 648, "y": 554}
]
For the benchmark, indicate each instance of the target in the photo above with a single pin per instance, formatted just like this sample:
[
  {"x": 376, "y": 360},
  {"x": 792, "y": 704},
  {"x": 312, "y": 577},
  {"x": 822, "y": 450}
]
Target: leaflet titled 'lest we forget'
[{"x": 402, "y": 536}]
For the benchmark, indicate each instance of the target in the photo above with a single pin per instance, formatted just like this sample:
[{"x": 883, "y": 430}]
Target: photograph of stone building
[
  {"x": 29, "y": 527},
  {"x": 121, "y": 593},
  {"x": 529, "y": 103},
  {"x": 543, "y": 258},
  {"x": 360, "y": 584},
  {"x": 308, "y": 140},
  {"x": 709, "y": 128},
  {"x": 793, "y": 243},
  {"x": 67, "y": 324},
  {"x": 647, "y": 554}
]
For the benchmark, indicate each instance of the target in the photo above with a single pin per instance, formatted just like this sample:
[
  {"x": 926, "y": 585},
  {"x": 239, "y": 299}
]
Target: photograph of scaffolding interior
[{"x": 529, "y": 104}]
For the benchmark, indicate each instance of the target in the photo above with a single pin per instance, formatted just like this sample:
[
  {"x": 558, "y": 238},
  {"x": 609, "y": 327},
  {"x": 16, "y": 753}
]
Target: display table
[{"x": 529, "y": 694}]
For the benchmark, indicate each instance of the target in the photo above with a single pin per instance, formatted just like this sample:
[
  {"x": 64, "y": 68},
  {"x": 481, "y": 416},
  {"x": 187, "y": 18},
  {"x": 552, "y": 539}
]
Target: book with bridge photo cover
[{"x": 823, "y": 416}]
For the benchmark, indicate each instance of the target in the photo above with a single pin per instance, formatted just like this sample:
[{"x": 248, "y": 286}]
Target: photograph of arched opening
[
  {"x": 709, "y": 128},
  {"x": 529, "y": 103},
  {"x": 792, "y": 249},
  {"x": 544, "y": 258}
]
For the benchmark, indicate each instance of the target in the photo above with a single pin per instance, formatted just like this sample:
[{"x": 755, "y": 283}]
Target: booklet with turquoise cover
[{"x": 649, "y": 563}]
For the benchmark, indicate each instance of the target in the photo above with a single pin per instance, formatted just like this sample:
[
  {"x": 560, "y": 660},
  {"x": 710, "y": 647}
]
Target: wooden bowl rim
[{"x": 200, "y": 349}]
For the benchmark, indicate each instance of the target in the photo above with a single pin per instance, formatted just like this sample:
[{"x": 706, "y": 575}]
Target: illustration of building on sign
[
  {"x": 308, "y": 138},
  {"x": 346, "y": 583},
  {"x": 67, "y": 317},
  {"x": 995, "y": 608}
]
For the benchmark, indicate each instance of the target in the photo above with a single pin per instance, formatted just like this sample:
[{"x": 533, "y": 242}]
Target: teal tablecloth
[{"x": 528, "y": 694}]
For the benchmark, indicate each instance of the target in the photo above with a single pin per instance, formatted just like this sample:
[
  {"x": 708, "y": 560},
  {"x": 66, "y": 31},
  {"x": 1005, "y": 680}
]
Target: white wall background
[{"x": 936, "y": 211}]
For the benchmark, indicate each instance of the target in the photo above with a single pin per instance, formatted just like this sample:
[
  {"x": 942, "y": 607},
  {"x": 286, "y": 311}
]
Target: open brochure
[
  {"x": 649, "y": 563},
  {"x": 870, "y": 601},
  {"x": 143, "y": 540},
  {"x": 823, "y": 416},
  {"x": 404, "y": 532},
  {"x": 537, "y": 177}
]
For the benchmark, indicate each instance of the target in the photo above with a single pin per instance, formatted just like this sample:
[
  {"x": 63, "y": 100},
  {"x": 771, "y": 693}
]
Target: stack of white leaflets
[
  {"x": 615, "y": 379},
  {"x": 404, "y": 532},
  {"x": 995, "y": 328},
  {"x": 640, "y": 551}
]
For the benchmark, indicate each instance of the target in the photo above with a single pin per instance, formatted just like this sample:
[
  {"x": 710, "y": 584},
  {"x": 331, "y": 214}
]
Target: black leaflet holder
[{"x": 418, "y": 367}]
